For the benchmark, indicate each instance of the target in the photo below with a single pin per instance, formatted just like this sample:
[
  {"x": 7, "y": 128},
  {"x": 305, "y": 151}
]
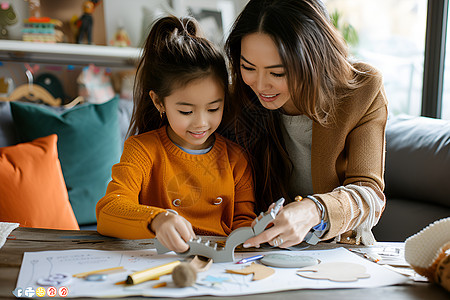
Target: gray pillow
[
  {"x": 8, "y": 134},
  {"x": 418, "y": 159},
  {"x": 125, "y": 111}
]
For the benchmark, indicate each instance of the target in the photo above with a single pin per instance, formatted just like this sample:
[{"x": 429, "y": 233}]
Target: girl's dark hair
[
  {"x": 318, "y": 75},
  {"x": 174, "y": 54}
]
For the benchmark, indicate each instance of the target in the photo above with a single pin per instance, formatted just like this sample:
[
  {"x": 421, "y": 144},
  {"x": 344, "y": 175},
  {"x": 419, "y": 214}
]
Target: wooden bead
[{"x": 184, "y": 275}]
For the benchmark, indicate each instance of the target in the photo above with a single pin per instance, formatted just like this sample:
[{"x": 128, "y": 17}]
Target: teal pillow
[{"x": 89, "y": 144}]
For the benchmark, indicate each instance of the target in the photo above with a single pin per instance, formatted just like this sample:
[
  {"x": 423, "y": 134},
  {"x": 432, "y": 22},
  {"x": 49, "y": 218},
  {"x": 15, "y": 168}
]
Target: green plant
[{"x": 347, "y": 30}]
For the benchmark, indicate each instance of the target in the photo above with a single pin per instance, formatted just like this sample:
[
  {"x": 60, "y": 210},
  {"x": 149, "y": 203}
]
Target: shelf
[{"x": 73, "y": 54}]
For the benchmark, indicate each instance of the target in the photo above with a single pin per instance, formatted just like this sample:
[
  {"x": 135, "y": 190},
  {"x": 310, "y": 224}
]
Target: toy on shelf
[
  {"x": 41, "y": 29},
  {"x": 85, "y": 23},
  {"x": 7, "y": 17},
  {"x": 121, "y": 38},
  {"x": 34, "y": 7}
]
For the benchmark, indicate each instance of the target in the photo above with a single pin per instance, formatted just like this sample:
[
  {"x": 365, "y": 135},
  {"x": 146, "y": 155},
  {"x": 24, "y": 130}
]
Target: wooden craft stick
[
  {"x": 103, "y": 271},
  {"x": 159, "y": 285},
  {"x": 152, "y": 273}
]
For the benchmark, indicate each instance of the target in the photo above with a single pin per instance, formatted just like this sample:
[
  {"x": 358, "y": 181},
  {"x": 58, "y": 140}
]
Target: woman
[{"x": 312, "y": 121}]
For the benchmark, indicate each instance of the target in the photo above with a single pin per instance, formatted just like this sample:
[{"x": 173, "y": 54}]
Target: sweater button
[
  {"x": 176, "y": 202},
  {"x": 218, "y": 201}
]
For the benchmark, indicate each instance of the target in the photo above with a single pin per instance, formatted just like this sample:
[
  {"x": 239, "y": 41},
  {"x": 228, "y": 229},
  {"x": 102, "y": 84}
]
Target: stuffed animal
[
  {"x": 428, "y": 252},
  {"x": 7, "y": 17}
]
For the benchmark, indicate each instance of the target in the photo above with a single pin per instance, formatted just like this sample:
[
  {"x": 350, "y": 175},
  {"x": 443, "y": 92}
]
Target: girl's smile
[
  {"x": 198, "y": 135},
  {"x": 194, "y": 112}
]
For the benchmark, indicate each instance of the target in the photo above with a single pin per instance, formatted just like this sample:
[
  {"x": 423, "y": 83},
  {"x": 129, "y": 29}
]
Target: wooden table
[{"x": 28, "y": 239}]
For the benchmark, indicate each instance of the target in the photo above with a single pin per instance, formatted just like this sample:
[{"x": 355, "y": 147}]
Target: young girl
[{"x": 176, "y": 177}]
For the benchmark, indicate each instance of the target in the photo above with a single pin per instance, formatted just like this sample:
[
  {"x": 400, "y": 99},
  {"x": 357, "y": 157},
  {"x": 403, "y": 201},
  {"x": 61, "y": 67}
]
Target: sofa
[
  {"x": 417, "y": 172},
  {"x": 417, "y": 176}
]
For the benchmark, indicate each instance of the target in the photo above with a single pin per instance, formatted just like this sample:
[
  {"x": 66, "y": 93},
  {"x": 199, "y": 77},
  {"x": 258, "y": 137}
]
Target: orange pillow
[{"x": 32, "y": 188}]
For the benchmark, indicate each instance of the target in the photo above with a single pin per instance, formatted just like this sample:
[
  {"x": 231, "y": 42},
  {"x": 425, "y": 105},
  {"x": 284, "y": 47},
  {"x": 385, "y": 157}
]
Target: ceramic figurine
[{"x": 121, "y": 38}]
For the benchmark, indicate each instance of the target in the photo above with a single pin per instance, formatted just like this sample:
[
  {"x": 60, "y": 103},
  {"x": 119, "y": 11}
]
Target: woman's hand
[
  {"x": 290, "y": 226},
  {"x": 173, "y": 231}
]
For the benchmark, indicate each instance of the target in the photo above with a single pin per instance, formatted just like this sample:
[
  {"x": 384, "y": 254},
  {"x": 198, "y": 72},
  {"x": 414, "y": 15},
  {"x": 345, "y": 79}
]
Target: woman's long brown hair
[{"x": 318, "y": 75}]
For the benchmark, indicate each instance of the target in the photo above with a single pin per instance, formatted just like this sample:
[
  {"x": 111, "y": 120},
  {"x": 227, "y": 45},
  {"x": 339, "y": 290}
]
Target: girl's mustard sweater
[{"x": 213, "y": 191}]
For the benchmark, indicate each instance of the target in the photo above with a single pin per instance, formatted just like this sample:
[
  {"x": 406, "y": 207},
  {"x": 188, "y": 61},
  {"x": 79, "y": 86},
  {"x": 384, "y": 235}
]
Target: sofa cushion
[
  {"x": 32, "y": 188},
  {"x": 8, "y": 135},
  {"x": 403, "y": 218},
  {"x": 88, "y": 146},
  {"x": 125, "y": 112},
  {"x": 418, "y": 159}
]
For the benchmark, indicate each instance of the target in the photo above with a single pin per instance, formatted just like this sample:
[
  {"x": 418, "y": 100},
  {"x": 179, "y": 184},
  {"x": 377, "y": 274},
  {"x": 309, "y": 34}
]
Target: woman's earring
[{"x": 162, "y": 114}]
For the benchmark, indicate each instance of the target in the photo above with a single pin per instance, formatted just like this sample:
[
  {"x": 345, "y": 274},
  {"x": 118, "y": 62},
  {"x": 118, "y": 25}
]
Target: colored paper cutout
[
  {"x": 336, "y": 271},
  {"x": 259, "y": 271}
]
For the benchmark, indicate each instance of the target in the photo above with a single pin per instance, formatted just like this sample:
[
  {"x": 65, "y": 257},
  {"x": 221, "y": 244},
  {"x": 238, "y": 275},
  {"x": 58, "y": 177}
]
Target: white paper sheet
[
  {"x": 38, "y": 265},
  {"x": 5, "y": 231}
]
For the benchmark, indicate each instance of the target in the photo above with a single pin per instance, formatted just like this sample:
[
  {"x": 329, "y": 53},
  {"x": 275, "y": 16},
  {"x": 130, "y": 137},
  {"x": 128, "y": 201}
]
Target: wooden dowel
[{"x": 152, "y": 273}]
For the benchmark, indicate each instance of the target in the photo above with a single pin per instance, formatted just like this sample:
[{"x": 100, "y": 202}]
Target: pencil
[
  {"x": 367, "y": 256},
  {"x": 152, "y": 273},
  {"x": 371, "y": 258},
  {"x": 249, "y": 259},
  {"x": 103, "y": 271}
]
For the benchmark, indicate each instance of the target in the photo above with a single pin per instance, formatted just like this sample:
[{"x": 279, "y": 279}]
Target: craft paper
[
  {"x": 335, "y": 271},
  {"x": 38, "y": 265},
  {"x": 259, "y": 271}
]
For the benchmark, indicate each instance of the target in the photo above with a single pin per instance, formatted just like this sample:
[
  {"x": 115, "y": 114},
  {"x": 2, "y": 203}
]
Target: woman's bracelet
[
  {"x": 317, "y": 202},
  {"x": 319, "y": 206},
  {"x": 320, "y": 229}
]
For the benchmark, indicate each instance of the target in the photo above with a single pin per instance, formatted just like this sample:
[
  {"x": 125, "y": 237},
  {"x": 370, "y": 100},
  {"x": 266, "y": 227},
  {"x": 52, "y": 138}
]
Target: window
[
  {"x": 391, "y": 37},
  {"x": 446, "y": 93}
]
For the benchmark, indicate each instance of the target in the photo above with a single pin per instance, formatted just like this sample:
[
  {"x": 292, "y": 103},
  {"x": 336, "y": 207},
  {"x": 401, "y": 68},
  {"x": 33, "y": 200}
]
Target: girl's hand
[
  {"x": 290, "y": 226},
  {"x": 173, "y": 231}
]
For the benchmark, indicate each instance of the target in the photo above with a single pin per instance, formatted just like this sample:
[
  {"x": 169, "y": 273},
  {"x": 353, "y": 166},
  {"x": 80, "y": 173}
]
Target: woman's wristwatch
[{"x": 314, "y": 235}]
